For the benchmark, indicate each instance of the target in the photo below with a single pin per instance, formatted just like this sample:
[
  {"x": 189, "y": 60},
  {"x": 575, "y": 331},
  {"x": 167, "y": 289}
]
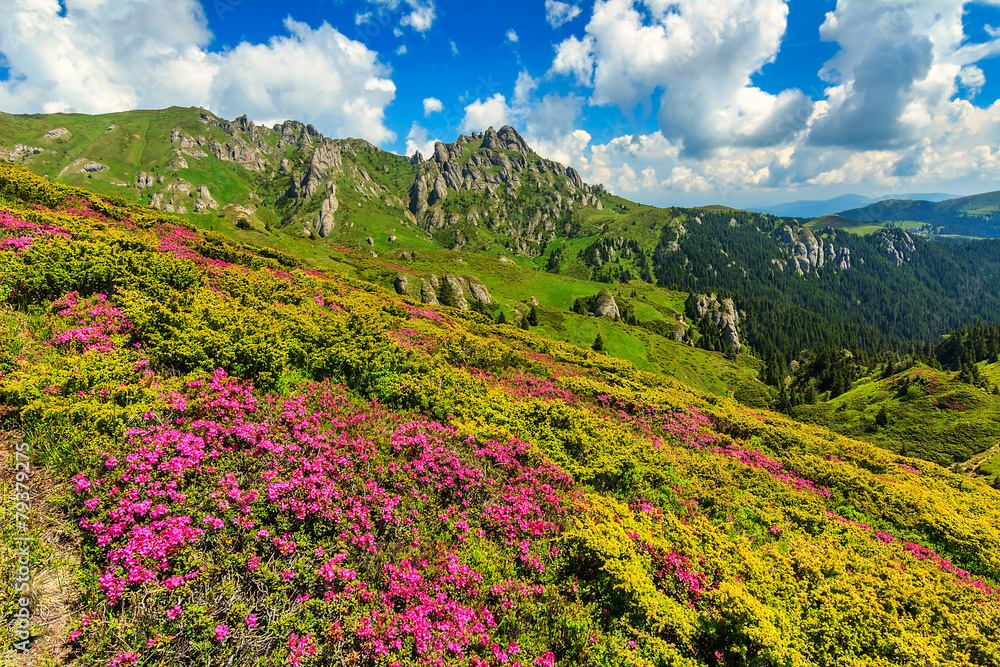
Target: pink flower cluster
[
  {"x": 773, "y": 468},
  {"x": 365, "y": 476},
  {"x": 92, "y": 322},
  {"x": 673, "y": 573},
  {"x": 921, "y": 552},
  {"x": 689, "y": 427},
  {"x": 524, "y": 385}
]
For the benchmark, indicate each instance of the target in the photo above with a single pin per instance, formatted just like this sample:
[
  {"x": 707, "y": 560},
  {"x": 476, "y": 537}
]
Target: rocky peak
[
  {"x": 897, "y": 245},
  {"x": 440, "y": 153},
  {"x": 506, "y": 139}
]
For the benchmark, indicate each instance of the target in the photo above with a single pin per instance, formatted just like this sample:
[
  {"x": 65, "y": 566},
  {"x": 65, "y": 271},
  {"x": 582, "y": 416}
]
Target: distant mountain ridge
[
  {"x": 973, "y": 216},
  {"x": 816, "y": 208}
]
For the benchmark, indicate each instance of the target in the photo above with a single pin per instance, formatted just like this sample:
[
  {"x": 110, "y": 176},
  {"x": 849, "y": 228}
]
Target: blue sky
[{"x": 741, "y": 102}]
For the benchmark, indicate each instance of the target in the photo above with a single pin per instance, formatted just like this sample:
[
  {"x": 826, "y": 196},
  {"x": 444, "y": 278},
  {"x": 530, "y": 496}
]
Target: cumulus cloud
[
  {"x": 892, "y": 116},
  {"x": 881, "y": 59},
  {"x": 104, "y": 56},
  {"x": 524, "y": 87},
  {"x": 432, "y": 105},
  {"x": 481, "y": 114},
  {"x": 557, "y": 13},
  {"x": 973, "y": 78},
  {"x": 573, "y": 56},
  {"x": 512, "y": 36},
  {"x": 702, "y": 56}
]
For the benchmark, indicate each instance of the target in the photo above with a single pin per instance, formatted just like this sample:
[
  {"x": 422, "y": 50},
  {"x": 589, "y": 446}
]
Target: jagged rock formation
[
  {"x": 605, "y": 305},
  {"x": 809, "y": 253},
  {"x": 204, "y": 201},
  {"x": 500, "y": 168},
  {"x": 303, "y": 180},
  {"x": 449, "y": 289},
  {"x": 55, "y": 133},
  {"x": 21, "y": 151},
  {"x": 896, "y": 246},
  {"x": 93, "y": 167},
  {"x": 721, "y": 312},
  {"x": 427, "y": 293}
]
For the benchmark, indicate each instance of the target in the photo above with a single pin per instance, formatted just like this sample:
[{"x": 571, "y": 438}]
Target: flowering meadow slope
[{"x": 269, "y": 465}]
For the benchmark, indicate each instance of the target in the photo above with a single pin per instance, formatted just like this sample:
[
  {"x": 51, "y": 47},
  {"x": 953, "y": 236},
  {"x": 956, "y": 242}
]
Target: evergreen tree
[
  {"x": 598, "y": 345},
  {"x": 502, "y": 317},
  {"x": 533, "y": 316}
]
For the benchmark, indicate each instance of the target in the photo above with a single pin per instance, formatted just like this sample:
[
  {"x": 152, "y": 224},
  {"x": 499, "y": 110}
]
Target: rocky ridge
[
  {"x": 501, "y": 169},
  {"x": 809, "y": 253},
  {"x": 458, "y": 291}
]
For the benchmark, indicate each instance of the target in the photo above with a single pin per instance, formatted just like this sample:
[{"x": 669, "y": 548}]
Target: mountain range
[{"x": 491, "y": 195}]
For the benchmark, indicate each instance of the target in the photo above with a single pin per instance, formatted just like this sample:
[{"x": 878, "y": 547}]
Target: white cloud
[
  {"x": 481, "y": 114},
  {"x": 557, "y": 13},
  {"x": 573, "y": 56},
  {"x": 104, "y": 55},
  {"x": 432, "y": 105},
  {"x": 362, "y": 18},
  {"x": 512, "y": 36},
  {"x": 973, "y": 78},
  {"x": 401, "y": 50},
  {"x": 892, "y": 118},
  {"x": 454, "y": 47},
  {"x": 421, "y": 12},
  {"x": 702, "y": 56},
  {"x": 421, "y": 18},
  {"x": 524, "y": 87},
  {"x": 416, "y": 140}
]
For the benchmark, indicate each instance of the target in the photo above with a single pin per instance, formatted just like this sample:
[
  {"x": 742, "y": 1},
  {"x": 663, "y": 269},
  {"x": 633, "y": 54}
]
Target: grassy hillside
[
  {"x": 239, "y": 460},
  {"x": 927, "y": 414}
]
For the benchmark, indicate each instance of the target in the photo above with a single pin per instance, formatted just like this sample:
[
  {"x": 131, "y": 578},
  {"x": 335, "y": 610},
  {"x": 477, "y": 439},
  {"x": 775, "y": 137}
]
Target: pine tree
[
  {"x": 533, "y": 316},
  {"x": 502, "y": 317},
  {"x": 598, "y": 345}
]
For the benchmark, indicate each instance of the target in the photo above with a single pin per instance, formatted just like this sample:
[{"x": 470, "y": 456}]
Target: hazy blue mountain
[{"x": 816, "y": 208}]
